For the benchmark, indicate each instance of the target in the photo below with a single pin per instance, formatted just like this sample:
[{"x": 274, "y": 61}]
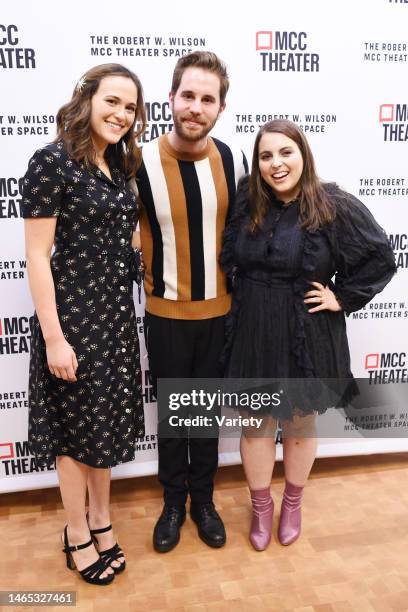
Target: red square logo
[
  {"x": 6, "y": 450},
  {"x": 386, "y": 112},
  {"x": 371, "y": 361},
  {"x": 264, "y": 41}
]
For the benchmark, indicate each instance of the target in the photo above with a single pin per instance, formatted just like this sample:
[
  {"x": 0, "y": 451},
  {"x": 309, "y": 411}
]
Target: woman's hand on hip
[
  {"x": 61, "y": 359},
  {"x": 323, "y": 297}
]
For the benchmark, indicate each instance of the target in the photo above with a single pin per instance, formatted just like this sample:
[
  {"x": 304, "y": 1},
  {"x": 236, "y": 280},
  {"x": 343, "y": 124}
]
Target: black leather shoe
[
  {"x": 166, "y": 534},
  {"x": 210, "y": 526}
]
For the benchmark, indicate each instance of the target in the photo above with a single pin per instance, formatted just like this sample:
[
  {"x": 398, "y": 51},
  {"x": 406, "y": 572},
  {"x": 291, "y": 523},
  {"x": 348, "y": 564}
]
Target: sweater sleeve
[{"x": 365, "y": 262}]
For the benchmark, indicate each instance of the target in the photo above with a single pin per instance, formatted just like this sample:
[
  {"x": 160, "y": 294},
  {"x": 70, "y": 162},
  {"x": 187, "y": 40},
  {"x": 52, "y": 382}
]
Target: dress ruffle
[
  {"x": 231, "y": 325},
  {"x": 300, "y": 286},
  {"x": 237, "y": 218},
  {"x": 269, "y": 331}
]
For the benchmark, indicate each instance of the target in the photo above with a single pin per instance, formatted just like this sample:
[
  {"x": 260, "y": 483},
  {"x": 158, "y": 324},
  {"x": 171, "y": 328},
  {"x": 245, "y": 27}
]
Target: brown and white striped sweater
[{"x": 186, "y": 200}]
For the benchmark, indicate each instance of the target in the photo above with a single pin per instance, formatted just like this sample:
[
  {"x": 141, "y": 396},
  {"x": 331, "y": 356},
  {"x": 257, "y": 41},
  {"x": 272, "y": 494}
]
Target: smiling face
[
  {"x": 280, "y": 164},
  {"x": 113, "y": 108},
  {"x": 195, "y": 106}
]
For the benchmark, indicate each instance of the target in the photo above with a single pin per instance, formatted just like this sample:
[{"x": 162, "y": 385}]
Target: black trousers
[{"x": 185, "y": 349}]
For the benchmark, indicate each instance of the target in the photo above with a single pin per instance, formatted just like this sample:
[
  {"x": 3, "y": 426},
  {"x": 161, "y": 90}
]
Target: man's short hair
[{"x": 207, "y": 61}]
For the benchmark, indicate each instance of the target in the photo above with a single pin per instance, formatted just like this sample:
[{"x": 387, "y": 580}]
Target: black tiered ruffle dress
[{"x": 270, "y": 333}]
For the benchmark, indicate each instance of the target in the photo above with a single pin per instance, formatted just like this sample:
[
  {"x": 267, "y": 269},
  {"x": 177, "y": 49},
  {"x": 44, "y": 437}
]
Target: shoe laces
[
  {"x": 208, "y": 511},
  {"x": 171, "y": 513}
]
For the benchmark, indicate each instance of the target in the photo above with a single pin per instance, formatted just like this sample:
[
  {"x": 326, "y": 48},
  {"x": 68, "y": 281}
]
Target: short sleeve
[
  {"x": 43, "y": 186},
  {"x": 364, "y": 258}
]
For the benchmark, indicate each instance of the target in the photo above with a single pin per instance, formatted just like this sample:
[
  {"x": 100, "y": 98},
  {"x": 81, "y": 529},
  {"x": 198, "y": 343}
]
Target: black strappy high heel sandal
[
  {"x": 91, "y": 573},
  {"x": 111, "y": 554}
]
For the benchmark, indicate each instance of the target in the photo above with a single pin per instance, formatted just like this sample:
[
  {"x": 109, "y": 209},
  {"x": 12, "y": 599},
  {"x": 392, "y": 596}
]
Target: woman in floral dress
[{"x": 85, "y": 393}]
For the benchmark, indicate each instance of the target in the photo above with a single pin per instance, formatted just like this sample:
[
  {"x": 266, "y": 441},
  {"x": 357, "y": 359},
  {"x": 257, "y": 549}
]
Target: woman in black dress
[
  {"x": 288, "y": 236},
  {"x": 85, "y": 393}
]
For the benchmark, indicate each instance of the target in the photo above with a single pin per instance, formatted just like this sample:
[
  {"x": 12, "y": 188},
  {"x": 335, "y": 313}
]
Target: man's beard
[{"x": 193, "y": 135}]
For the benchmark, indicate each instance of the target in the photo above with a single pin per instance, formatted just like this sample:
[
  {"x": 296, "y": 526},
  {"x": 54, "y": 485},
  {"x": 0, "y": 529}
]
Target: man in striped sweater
[{"x": 187, "y": 185}]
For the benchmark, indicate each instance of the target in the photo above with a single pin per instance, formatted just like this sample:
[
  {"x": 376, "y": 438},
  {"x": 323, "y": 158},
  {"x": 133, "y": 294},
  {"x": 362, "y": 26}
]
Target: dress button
[
  {"x": 120, "y": 195},
  {"x": 122, "y": 328},
  {"x": 124, "y": 369},
  {"x": 122, "y": 265},
  {"x": 122, "y": 288},
  {"x": 124, "y": 217},
  {"x": 123, "y": 308},
  {"x": 122, "y": 241},
  {"x": 123, "y": 350},
  {"x": 128, "y": 410},
  {"x": 126, "y": 390}
]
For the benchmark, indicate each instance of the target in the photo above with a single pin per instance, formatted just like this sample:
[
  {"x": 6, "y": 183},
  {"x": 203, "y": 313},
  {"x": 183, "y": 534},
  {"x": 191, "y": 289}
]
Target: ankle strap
[
  {"x": 102, "y": 530},
  {"x": 79, "y": 547}
]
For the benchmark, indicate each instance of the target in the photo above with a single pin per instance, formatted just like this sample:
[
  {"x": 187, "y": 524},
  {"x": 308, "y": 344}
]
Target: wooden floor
[{"x": 353, "y": 554}]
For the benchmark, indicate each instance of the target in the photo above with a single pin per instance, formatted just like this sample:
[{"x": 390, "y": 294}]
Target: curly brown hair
[
  {"x": 74, "y": 122},
  {"x": 316, "y": 208}
]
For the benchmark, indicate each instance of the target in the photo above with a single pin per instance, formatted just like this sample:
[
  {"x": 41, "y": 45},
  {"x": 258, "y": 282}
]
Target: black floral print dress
[{"x": 97, "y": 419}]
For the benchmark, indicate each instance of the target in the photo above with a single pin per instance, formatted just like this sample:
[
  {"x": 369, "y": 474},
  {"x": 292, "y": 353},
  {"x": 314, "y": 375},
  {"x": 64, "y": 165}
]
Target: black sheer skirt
[{"x": 273, "y": 336}]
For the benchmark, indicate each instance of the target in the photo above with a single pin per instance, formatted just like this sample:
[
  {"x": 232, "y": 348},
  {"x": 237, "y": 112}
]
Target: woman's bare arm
[{"x": 39, "y": 235}]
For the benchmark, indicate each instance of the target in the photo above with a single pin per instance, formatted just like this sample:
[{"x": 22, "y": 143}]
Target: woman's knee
[
  {"x": 265, "y": 427},
  {"x": 300, "y": 427}
]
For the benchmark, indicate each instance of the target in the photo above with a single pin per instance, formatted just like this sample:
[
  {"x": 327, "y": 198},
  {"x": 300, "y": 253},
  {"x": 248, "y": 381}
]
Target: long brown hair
[
  {"x": 315, "y": 206},
  {"x": 74, "y": 122}
]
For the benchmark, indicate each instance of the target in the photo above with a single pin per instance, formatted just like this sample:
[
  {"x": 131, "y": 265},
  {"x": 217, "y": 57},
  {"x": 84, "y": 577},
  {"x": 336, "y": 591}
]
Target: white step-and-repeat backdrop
[{"x": 339, "y": 69}]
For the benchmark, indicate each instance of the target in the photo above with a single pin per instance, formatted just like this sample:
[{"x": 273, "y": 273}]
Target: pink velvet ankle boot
[
  {"x": 290, "y": 516},
  {"x": 262, "y": 513}
]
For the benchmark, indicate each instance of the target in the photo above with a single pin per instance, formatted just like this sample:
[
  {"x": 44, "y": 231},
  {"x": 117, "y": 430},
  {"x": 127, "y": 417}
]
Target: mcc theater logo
[
  {"x": 399, "y": 244},
  {"x": 159, "y": 120},
  {"x": 12, "y": 55},
  {"x": 11, "y": 189},
  {"x": 16, "y": 460},
  {"x": 15, "y": 335},
  {"x": 394, "y": 119},
  {"x": 282, "y": 51},
  {"x": 386, "y": 368}
]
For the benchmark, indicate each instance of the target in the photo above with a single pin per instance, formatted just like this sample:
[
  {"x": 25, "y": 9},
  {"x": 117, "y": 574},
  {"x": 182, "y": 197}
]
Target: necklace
[{"x": 102, "y": 164}]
